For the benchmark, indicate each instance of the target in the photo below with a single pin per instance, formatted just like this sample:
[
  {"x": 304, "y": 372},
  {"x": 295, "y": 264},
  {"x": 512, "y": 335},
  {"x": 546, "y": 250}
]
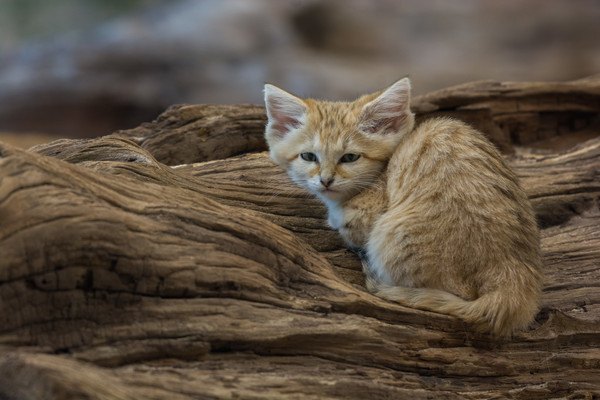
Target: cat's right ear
[
  {"x": 284, "y": 110},
  {"x": 389, "y": 112}
]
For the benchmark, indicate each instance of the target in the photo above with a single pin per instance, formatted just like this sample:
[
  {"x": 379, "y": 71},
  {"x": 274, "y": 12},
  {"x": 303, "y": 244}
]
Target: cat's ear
[
  {"x": 284, "y": 110},
  {"x": 389, "y": 112}
]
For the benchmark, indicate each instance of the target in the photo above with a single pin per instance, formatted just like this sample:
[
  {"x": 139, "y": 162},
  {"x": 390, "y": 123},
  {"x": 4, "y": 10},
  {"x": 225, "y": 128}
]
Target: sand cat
[{"x": 440, "y": 218}]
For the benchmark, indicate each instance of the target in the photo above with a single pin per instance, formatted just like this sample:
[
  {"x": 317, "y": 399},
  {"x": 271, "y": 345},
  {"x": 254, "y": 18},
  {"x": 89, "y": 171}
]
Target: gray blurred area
[{"x": 87, "y": 68}]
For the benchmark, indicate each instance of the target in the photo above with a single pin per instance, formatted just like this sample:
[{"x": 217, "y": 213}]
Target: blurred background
[{"x": 82, "y": 68}]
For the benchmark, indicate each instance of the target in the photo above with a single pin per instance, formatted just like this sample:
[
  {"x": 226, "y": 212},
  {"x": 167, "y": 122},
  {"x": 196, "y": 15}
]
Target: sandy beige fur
[{"x": 441, "y": 219}]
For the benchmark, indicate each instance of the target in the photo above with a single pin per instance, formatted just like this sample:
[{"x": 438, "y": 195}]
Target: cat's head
[{"x": 336, "y": 149}]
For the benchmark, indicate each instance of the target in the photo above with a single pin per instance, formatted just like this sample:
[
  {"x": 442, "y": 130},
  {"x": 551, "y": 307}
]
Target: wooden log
[
  {"x": 541, "y": 115},
  {"x": 124, "y": 278}
]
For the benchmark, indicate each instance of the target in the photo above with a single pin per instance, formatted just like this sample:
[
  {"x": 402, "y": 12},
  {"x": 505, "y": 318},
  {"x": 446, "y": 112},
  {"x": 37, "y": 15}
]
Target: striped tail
[{"x": 498, "y": 312}]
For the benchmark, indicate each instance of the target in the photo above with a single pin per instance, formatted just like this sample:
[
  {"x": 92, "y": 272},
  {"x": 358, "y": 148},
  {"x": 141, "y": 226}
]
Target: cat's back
[
  {"x": 448, "y": 175},
  {"x": 459, "y": 209},
  {"x": 447, "y": 156}
]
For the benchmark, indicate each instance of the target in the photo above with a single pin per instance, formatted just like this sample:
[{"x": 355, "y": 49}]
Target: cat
[{"x": 439, "y": 217}]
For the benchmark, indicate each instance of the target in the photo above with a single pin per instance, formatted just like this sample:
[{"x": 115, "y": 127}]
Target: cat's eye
[
  {"x": 350, "y": 157},
  {"x": 312, "y": 157}
]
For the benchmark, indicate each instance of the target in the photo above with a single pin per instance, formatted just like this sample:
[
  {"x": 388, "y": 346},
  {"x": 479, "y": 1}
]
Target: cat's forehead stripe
[{"x": 332, "y": 121}]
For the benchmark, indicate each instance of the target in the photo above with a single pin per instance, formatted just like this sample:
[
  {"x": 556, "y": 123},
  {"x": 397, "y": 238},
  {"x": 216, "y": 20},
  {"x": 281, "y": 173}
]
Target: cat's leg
[
  {"x": 387, "y": 250},
  {"x": 349, "y": 223},
  {"x": 335, "y": 218},
  {"x": 371, "y": 282}
]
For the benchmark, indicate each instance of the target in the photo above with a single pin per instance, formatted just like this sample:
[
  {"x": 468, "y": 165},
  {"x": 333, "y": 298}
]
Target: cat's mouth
[
  {"x": 330, "y": 193},
  {"x": 328, "y": 190}
]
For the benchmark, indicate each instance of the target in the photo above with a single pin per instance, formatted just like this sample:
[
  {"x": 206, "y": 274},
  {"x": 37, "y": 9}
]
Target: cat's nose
[{"x": 326, "y": 181}]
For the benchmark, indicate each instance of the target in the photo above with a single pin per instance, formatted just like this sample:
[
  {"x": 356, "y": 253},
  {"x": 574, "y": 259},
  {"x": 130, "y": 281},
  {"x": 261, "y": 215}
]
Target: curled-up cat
[{"x": 440, "y": 218}]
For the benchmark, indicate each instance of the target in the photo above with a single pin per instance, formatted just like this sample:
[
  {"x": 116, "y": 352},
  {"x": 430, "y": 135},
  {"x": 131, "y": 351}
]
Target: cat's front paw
[{"x": 360, "y": 252}]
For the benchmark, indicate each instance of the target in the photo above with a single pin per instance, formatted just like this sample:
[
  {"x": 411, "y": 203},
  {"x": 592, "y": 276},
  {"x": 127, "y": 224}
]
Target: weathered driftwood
[{"x": 123, "y": 278}]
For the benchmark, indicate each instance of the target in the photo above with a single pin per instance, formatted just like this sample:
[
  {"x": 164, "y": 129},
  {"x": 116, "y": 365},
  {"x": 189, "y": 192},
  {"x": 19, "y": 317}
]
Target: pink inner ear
[
  {"x": 389, "y": 111},
  {"x": 282, "y": 123},
  {"x": 385, "y": 125},
  {"x": 377, "y": 119}
]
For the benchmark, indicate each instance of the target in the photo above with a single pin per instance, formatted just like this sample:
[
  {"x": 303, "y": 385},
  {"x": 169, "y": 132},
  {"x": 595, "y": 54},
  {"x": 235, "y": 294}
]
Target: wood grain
[{"x": 124, "y": 278}]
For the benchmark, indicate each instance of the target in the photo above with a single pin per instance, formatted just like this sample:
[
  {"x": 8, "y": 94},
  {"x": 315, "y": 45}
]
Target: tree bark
[{"x": 175, "y": 261}]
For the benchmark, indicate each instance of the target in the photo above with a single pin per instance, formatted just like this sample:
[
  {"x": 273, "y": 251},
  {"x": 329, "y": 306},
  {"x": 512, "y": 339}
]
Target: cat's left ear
[
  {"x": 284, "y": 110},
  {"x": 389, "y": 113}
]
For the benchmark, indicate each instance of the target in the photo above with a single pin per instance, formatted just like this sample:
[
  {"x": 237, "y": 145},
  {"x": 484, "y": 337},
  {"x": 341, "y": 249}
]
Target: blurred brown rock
[
  {"x": 124, "y": 278},
  {"x": 128, "y": 70}
]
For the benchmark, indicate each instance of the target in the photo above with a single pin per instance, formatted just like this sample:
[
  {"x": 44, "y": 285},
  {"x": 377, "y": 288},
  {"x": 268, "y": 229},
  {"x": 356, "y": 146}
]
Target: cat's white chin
[{"x": 330, "y": 195}]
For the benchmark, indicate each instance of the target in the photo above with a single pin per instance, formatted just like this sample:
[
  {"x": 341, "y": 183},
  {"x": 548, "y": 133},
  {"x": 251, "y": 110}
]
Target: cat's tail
[{"x": 500, "y": 312}]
